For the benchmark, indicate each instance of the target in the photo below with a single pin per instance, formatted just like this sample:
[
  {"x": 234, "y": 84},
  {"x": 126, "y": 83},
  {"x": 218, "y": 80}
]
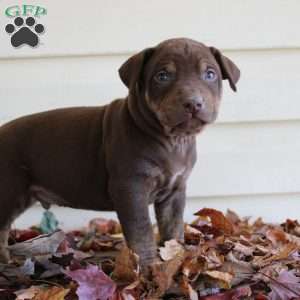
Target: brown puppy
[{"x": 122, "y": 156}]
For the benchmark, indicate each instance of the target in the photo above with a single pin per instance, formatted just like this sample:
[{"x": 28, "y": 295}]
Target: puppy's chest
[
  {"x": 176, "y": 176},
  {"x": 173, "y": 176},
  {"x": 173, "y": 169},
  {"x": 169, "y": 181},
  {"x": 177, "y": 168}
]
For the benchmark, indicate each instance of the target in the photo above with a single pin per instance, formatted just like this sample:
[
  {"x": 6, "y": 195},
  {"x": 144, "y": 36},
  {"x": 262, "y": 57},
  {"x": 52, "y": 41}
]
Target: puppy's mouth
[
  {"x": 191, "y": 118},
  {"x": 190, "y": 124},
  {"x": 179, "y": 123}
]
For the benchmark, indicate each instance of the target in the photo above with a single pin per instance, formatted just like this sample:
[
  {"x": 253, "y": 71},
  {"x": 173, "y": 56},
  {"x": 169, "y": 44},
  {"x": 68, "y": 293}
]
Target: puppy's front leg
[
  {"x": 4, "y": 253},
  {"x": 130, "y": 200},
  {"x": 169, "y": 215}
]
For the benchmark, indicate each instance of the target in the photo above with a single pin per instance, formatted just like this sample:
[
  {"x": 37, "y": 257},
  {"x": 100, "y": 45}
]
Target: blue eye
[
  {"x": 210, "y": 75},
  {"x": 162, "y": 76}
]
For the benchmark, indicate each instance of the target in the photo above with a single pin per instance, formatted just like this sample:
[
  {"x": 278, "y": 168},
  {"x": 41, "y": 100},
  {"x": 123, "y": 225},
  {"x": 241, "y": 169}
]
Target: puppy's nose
[{"x": 193, "y": 105}]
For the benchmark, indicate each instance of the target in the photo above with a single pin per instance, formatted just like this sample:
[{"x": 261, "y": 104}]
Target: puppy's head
[{"x": 181, "y": 82}]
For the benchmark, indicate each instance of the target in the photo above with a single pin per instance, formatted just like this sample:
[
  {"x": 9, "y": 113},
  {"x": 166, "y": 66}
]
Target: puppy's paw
[{"x": 147, "y": 267}]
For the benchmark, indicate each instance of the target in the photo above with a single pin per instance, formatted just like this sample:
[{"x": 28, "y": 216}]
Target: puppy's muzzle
[{"x": 194, "y": 105}]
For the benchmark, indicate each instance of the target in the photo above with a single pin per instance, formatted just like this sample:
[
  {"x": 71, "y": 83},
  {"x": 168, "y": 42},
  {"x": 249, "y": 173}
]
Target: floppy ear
[
  {"x": 229, "y": 70},
  {"x": 131, "y": 70}
]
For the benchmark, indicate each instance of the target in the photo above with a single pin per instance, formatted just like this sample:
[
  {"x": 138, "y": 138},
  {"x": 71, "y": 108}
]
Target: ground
[{"x": 223, "y": 257}]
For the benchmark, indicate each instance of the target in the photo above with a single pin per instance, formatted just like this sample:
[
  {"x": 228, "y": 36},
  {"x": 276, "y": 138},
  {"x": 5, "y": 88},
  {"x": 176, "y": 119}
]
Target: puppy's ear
[
  {"x": 229, "y": 70},
  {"x": 131, "y": 71}
]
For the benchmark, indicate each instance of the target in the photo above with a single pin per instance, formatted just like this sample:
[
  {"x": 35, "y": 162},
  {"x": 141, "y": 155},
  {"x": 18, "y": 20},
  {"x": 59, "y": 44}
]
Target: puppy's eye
[
  {"x": 162, "y": 76},
  {"x": 210, "y": 75}
]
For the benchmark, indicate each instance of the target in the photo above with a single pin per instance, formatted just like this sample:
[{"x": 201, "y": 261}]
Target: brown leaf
[
  {"x": 192, "y": 235},
  {"x": 27, "y": 294},
  {"x": 53, "y": 293},
  {"x": 126, "y": 266},
  {"x": 217, "y": 218},
  {"x": 103, "y": 226},
  {"x": 246, "y": 250},
  {"x": 225, "y": 277},
  {"x": 232, "y": 217},
  {"x": 162, "y": 275},
  {"x": 280, "y": 253},
  {"x": 171, "y": 249},
  {"x": 193, "y": 266},
  {"x": 213, "y": 258},
  {"x": 241, "y": 270},
  {"x": 131, "y": 292},
  {"x": 277, "y": 236},
  {"x": 219, "y": 252}
]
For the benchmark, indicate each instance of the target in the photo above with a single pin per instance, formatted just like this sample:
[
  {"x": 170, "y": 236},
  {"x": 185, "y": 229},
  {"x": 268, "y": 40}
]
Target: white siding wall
[{"x": 250, "y": 159}]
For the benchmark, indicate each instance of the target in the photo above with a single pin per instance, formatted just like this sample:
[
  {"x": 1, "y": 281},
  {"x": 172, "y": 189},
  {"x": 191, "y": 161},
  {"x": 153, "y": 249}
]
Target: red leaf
[{"x": 23, "y": 235}]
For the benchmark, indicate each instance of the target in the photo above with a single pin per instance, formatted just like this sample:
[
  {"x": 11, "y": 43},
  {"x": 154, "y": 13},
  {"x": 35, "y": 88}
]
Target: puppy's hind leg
[{"x": 14, "y": 199}]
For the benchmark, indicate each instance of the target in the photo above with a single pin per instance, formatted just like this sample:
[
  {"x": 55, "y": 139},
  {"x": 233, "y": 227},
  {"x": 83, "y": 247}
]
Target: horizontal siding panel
[
  {"x": 271, "y": 207},
  {"x": 248, "y": 205},
  {"x": 101, "y": 27},
  {"x": 247, "y": 158},
  {"x": 268, "y": 89}
]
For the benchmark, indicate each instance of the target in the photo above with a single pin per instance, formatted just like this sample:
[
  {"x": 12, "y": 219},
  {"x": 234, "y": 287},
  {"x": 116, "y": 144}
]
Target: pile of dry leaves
[{"x": 224, "y": 257}]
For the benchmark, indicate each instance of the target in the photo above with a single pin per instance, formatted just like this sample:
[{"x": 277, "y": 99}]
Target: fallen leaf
[
  {"x": 103, "y": 226},
  {"x": 63, "y": 260},
  {"x": 213, "y": 258},
  {"x": 11, "y": 271},
  {"x": 27, "y": 294},
  {"x": 126, "y": 266},
  {"x": 93, "y": 283},
  {"x": 53, "y": 293},
  {"x": 240, "y": 270},
  {"x": 171, "y": 249},
  {"x": 192, "y": 266},
  {"x": 246, "y": 250},
  {"x": 130, "y": 292},
  {"x": 218, "y": 220},
  {"x": 50, "y": 268},
  {"x": 192, "y": 235},
  {"x": 162, "y": 276},
  {"x": 187, "y": 289},
  {"x": 282, "y": 252},
  {"x": 232, "y": 217},
  {"x": 192, "y": 293},
  {"x": 18, "y": 236},
  {"x": 43, "y": 244},
  {"x": 224, "y": 277},
  {"x": 285, "y": 287},
  {"x": 234, "y": 294},
  {"x": 277, "y": 236},
  {"x": 219, "y": 252}
]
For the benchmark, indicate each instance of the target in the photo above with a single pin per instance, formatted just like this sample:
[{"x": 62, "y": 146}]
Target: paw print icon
[{"x": 24, "y": 32}]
